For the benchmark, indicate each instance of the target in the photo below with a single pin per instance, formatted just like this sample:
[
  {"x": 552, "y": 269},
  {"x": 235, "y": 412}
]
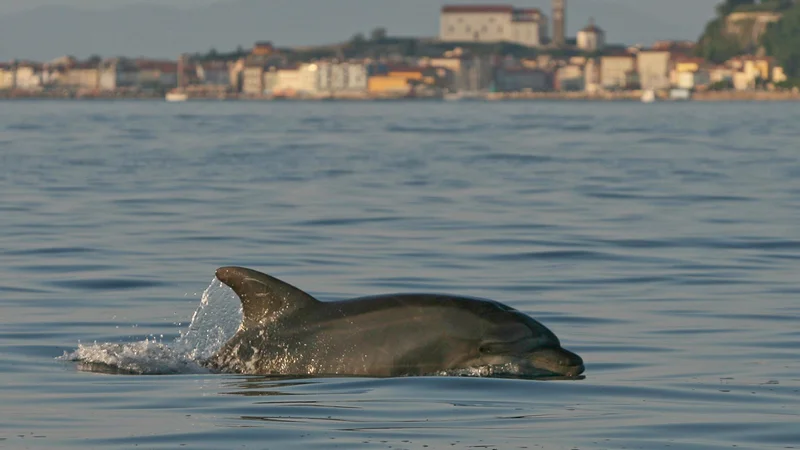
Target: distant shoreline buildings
[
  {"x": 503, "y": 23},
  {"x": 493, "y": 23},
  {"x": 480, "y": 49}
]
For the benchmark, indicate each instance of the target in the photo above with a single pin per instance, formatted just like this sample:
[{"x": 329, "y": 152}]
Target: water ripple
[{"x": 660, "y": 243}]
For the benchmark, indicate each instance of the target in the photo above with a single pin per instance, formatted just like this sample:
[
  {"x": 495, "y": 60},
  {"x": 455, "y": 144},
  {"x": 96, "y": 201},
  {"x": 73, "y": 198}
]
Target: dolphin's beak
[{"x": 559, "y": 361}]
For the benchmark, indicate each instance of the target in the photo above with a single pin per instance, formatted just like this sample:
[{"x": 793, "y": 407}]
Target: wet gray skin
[{"x": 285, "y": 331}]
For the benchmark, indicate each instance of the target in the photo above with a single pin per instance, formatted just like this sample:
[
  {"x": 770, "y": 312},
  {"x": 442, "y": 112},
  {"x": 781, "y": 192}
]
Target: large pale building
[
  {"x": 492, "y": 23},
  {"x": 616, "y": 71},
  {"x": 653, "y": 67}
]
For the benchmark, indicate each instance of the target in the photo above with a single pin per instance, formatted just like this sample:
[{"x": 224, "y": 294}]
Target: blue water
[{"x": 660, "y": 242}]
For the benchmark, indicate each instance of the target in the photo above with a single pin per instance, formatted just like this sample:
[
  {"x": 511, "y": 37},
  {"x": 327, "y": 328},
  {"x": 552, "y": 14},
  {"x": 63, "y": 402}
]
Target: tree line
[{"x": 781, "y": 39}]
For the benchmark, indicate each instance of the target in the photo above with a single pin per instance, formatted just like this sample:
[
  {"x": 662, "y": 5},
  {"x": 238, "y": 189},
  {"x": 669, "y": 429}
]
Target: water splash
[
  {"x": 216, "y": 319},
  {"x": 213, "y": 323}
]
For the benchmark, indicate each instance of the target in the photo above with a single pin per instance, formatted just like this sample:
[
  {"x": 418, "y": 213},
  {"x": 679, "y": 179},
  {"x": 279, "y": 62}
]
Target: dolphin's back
[
  {"x": 399, "y": 334},
  {"x": 287, "y": 331}
]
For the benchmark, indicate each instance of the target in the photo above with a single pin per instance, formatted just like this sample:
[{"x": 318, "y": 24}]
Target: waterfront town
[{"x": 481, "y": 51}]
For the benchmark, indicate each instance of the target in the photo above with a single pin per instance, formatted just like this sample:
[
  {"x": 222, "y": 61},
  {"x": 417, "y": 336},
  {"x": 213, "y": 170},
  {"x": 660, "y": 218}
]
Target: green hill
[{"x": 740, "y": 27}]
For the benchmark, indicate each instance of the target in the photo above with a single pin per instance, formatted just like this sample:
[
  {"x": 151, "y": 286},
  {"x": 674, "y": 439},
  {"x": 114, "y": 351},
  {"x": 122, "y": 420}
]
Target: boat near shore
[
  {"x": 176, "y": 95},
  {"x": 680, "y": 94},
  {"x": 463, "y": 95}
]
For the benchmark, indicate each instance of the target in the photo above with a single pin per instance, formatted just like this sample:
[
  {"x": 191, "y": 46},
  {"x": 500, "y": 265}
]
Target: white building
[
  {"x": 117, "y": 73},
  {"x": 299, "y": 80},
  {"x": 28, "y": 77},
  {"x": 492, "y": 23},
  {"x": 591, "y": 76},
  {"x": 214, "y": 73},
  {"x": 336, "y": 77},
  {"x": 653, "y": 67},
  {"x": 356, "y": 77},
  {"x": 615, "y": 71},
  {"x": 692, "y": 80},
  {"x": 592, "y": 38}
]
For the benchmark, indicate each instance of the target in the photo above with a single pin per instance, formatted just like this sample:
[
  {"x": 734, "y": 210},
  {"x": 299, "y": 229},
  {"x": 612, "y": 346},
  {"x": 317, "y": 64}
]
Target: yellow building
[
  {"x": 753, "y": 66},
  {"x": 388, "y": 84},
  {"x": 6, "y": 77},
  {"x": 760, "y": 67},
  {"x": 778, "y": 75},
  {"x": 408, "y": 74},
  {"x": 688, "y": 64},
  {"x": 399, "y": 79}
]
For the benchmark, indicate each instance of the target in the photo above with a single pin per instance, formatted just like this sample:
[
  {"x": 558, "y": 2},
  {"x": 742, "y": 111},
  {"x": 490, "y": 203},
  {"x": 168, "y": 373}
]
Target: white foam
[{"x": 213, "y": 323}]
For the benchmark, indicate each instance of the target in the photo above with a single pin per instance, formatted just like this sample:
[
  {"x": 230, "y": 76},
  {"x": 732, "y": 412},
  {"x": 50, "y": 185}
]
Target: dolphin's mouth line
[{"x": 566, "y": 371}]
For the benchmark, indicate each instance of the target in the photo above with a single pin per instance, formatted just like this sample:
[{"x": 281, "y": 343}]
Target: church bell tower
[{"x": 559, "y": 22}]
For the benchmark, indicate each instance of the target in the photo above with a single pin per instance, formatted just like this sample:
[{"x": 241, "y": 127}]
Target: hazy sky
[
  {"x": 689, "y": 7},
  {"x": 7, "y": 6},
  {"x": 114, "y": 27}
]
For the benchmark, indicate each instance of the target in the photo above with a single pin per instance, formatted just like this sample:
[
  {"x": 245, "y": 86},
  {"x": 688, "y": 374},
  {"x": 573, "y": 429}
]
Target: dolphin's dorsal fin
[{"x": 264, "y": 298}]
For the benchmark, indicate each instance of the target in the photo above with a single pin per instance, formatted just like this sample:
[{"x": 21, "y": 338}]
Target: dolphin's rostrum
[{"x": 286, "y": 331}]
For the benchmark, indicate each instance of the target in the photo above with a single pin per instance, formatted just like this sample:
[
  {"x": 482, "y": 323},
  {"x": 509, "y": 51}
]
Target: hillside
[{"x": 739, "y": 27}]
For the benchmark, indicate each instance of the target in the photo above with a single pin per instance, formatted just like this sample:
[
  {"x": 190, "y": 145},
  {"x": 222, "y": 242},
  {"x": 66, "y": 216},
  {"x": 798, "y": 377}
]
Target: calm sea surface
[{"x": 661, "y": 242}]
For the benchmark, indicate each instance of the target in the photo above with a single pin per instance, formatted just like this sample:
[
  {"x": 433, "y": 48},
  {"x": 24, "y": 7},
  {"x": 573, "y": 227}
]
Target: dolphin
[{"x": 286, "y": 331}]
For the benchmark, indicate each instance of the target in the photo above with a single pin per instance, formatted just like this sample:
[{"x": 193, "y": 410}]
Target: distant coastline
[{"x": 629, "y": 95}]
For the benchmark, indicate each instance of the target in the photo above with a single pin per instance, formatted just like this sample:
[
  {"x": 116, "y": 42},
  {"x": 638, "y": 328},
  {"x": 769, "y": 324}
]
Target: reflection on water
[{"x": 658, "y": 242}]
